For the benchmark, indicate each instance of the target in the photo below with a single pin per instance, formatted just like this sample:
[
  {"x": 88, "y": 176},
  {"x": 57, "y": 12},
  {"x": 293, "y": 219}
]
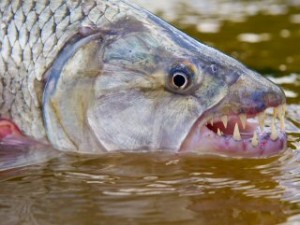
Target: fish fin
[
  {"x": 8, "y": 129},
  {"x": 18, "y": 150}
]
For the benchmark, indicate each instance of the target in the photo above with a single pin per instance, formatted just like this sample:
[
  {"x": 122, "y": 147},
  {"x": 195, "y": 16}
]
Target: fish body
[{"x": 106, "y": 75}]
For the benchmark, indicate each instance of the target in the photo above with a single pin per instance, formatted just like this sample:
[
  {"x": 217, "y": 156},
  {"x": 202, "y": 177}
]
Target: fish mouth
[{"x": 255, "y": 135}]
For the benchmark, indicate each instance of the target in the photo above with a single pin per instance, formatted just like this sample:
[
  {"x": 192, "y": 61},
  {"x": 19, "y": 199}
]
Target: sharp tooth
[
  {"x": 274, "y": 135},
  {"x": 261, "y": 120},
  {"x": 254, "y": 140},
  {"x": 236, "y": 133},
  {"x": 282, "y": 116},
  {"x": 283, "y": 110},
  {"x": 280, "y": 111},
  {"x": 275, "y": 112},
  {"x": 225, "y": 120},
  {"x": 212, "y": 121},
  {"x": 282, "y": 124},
  {"x": 243, "y": 119},
  {"x": 220, "y": 133}
]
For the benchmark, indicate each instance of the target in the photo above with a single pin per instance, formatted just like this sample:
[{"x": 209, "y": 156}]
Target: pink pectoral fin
[
  {"x": 9, "y": 129},
  {"x": 18, "y": 150}
]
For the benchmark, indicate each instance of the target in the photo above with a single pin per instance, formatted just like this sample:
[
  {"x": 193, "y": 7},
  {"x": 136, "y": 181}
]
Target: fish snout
[
  {"x": 274, "y": 96},
  {"x": 253, "y": 94}
]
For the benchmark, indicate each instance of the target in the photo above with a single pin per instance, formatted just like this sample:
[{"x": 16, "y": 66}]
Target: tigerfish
[{"x": 95, "y": 76}]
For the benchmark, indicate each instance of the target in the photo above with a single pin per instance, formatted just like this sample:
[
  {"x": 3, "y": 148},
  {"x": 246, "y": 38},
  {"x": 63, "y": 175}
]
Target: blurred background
[{"x": 263, "y": 34}]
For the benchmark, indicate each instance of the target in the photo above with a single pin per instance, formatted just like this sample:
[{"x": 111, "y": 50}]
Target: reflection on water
[
  {"x": 152, "y": 189},
  {"x": 159, "y": 188}
]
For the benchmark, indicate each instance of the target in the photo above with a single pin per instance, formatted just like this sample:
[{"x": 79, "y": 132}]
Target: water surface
[{"x": 158, "y": 188}]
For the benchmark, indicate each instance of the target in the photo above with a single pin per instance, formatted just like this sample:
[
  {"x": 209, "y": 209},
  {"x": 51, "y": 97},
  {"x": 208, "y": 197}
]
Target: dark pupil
[{"x": 179, "y": 80}]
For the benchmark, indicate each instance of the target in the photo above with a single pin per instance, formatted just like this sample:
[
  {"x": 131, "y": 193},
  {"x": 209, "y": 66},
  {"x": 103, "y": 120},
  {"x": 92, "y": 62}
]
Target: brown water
[{"x": 159, "y": 188}]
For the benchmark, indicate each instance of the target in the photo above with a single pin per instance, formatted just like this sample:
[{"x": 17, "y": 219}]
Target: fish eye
[{"x": 181, "y": 78}]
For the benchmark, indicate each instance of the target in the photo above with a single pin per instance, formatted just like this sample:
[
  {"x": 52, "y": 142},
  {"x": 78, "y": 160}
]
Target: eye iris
[{"x": 179, "y": 80}]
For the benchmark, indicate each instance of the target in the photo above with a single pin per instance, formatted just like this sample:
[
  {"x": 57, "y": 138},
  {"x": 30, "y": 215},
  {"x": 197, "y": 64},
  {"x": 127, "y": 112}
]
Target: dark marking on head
[
  {"x": 128, "y": 24},
  {"x": 231, "y": 77}
]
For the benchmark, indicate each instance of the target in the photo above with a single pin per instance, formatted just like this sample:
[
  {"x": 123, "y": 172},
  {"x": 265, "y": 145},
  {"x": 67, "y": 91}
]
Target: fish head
[{"x": 141, "y": 84}]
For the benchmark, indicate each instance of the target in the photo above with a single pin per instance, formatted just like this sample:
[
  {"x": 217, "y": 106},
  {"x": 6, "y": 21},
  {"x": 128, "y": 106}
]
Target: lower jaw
[{"x": 209, "y": 143}]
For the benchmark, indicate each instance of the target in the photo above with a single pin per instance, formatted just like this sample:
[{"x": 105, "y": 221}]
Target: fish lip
[{"x": 227, "y": 146}]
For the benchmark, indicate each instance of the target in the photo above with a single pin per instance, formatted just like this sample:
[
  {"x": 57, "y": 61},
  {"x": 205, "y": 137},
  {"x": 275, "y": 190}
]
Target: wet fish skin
[{"x": 96, "y": 75}]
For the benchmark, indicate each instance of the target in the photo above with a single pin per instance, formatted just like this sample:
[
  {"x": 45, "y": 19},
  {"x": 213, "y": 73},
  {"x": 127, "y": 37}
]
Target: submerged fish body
[{"x": 106, "y": 75}]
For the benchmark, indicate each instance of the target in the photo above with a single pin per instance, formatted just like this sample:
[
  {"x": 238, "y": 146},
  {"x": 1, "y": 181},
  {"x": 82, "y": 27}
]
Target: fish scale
[{"x": 32, "y": 34}]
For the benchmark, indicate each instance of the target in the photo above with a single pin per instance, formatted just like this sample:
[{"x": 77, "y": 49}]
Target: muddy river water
[{"x": 158, "y": 188}]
